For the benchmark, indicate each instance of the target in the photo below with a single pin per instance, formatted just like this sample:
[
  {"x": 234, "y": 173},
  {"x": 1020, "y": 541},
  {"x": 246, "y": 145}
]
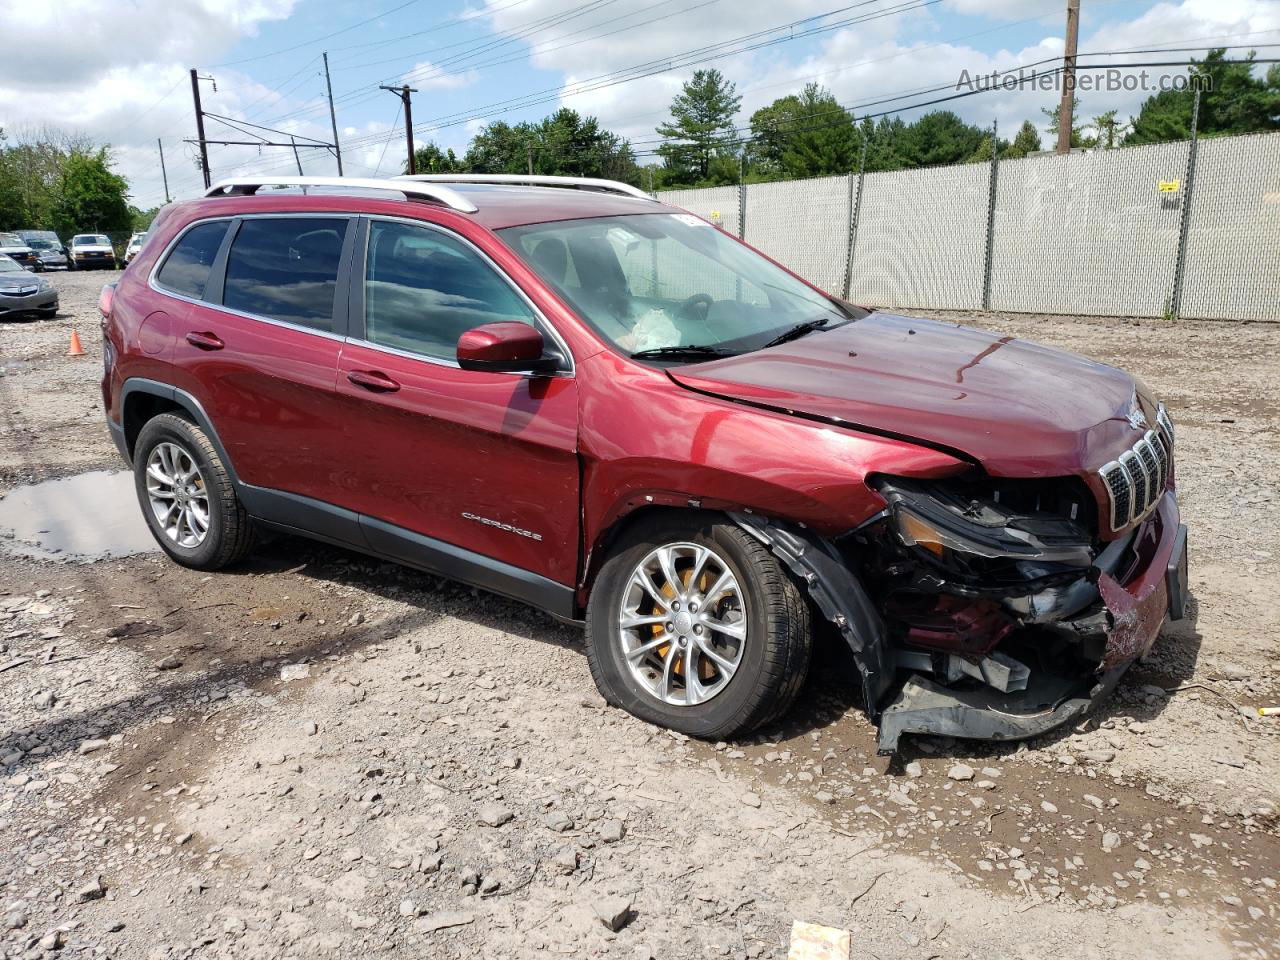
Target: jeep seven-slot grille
[{"x": 1135, "y": 481}]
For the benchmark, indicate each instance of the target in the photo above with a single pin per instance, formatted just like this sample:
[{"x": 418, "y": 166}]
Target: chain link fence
[{"x": 1187, "y": 229}]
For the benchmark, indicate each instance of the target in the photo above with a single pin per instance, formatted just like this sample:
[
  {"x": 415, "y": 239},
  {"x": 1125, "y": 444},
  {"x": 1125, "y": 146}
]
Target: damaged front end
[
  {"x": 1008, "y": 613},
  {"x": 992, "y": 608}
]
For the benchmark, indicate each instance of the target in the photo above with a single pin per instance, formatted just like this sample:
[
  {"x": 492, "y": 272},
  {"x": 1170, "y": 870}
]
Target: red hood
[{"x": 1018, "y": 408}]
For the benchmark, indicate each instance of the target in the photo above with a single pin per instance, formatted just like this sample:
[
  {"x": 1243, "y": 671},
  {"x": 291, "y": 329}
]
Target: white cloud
[
  {"x": 865, "y": 62},
  {"x": 427, "y": 76},
  {"x": 118, "y": 74}
]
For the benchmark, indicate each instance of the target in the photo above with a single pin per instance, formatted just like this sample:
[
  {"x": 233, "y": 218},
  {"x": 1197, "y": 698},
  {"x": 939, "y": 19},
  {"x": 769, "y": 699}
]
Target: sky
[{"x": 118, "y": 72}]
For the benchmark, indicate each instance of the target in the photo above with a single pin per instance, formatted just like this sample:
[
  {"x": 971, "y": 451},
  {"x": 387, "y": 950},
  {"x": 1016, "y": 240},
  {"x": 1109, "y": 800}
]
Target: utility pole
[
  {"x": 403, "y": 93},
  {"x": 204, "y": 147},
  {"x": 528, "y": 157},
  {"x": 333, "y": 117},
  {"x": 1066, "y": 107},
  {"x": 296, "y": 159},
  {"x": 163, "y": 173}
]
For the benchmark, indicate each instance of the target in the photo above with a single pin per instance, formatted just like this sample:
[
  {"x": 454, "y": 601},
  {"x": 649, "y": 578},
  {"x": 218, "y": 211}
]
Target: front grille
[{"x": 1135, "y": 481}]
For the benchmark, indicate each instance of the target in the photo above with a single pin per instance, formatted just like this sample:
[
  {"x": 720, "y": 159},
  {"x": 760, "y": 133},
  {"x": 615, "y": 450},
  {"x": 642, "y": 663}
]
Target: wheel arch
[
  {"x": 141, "y": 400},
  {"x": 651, "y": 510}
]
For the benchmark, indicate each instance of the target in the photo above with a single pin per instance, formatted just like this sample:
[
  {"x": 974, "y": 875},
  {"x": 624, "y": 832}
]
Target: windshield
[
  {"x": 8, "y": 266},
  {"x": 658, "y": 281},
  {"x": 11, "y": 240},
  {"x": 86, "y": 239},
  {"x": 39, "y": 244}
]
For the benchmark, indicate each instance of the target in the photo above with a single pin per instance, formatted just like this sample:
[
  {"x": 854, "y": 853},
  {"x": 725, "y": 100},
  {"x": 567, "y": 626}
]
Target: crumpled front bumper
[{"x": 1128, "y": 615}]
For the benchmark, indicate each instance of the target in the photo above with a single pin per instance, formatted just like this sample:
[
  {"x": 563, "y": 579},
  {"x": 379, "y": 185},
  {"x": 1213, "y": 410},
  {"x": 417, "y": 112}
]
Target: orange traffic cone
[{"x": 76, "y": 349}]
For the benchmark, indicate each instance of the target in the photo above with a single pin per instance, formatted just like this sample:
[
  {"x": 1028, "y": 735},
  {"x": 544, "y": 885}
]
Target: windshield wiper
[
  {"x": 798, "y": 331},
  {"x": 691, "y": 350}
]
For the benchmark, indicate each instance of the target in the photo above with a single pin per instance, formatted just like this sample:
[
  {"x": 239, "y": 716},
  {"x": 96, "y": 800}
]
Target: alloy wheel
[
  {"x": 682, "y": 623},
  {"x": 178, "y": 495}
]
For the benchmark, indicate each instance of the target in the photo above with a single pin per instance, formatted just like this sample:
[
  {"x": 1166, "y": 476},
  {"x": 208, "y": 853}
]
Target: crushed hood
[{"x": 1017, "y": 408}]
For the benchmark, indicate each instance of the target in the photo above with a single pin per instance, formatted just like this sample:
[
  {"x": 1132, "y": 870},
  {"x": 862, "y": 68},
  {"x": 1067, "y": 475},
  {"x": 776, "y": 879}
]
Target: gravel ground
[{"x": 323, "y": 755}]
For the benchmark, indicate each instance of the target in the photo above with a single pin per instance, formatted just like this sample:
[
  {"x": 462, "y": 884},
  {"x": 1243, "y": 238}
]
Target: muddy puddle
[{"x": 92, "y": 516}]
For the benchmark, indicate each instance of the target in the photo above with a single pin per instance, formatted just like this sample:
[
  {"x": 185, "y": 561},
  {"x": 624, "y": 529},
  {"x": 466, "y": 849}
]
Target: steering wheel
[{"x": 704, "y": 300}]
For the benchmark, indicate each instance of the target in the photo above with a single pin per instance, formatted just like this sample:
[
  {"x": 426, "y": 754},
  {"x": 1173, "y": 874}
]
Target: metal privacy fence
[{"x": 1187, "y": 229}]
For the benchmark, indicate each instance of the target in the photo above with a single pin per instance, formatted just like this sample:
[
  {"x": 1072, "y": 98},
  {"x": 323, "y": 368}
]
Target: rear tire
[
  {"x": 750, "y": 683},
  {"x": 177, "y": 469}
]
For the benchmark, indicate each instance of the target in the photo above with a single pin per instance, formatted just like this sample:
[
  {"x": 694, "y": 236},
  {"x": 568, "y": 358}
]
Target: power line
[
  {"x": 478, "y": 45},
  {"x": 746, "y": 43},
  {"x": 307, "y": 43},
  {"x": 386, "y": 138}
]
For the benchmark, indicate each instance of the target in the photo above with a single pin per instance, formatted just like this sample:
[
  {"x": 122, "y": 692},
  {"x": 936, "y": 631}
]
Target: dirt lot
[{"x": 322, "y": 755}]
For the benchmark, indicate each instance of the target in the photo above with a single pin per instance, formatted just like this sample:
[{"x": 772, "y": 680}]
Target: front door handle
[
  {"x": 205, "y": 340},
  {"x": 373, "y": 380}
]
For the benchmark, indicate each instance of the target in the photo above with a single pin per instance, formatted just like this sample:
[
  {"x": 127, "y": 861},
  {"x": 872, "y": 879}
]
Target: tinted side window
[
  {"x": 424, "y": 289},
  {"x": 286, "y": 269},
  {"x": 186, "y": 270}
]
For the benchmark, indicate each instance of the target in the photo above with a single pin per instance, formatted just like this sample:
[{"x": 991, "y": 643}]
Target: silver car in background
[{"x": 24, "y": 294}]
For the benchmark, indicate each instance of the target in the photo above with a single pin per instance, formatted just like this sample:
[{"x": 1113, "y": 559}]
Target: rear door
[
  {"x": 260, "y": 350},
  {"x": 482, "y": 461}
]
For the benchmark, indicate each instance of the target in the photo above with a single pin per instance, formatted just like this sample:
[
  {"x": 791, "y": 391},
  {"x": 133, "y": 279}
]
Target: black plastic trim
[
  {"x": 839, "y": 595},
  {"x": 118, "y": 438},
  {"x": 309, "y": 516},
  {"x": 456, "y": 563},
  {"x": 188, "y": 403}
]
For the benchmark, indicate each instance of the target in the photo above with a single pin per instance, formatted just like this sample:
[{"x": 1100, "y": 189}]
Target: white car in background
[
  {"x": 16, "y": 249},
  {"x": 89, "y": 251},
  {"x": 134, "y": 245}
]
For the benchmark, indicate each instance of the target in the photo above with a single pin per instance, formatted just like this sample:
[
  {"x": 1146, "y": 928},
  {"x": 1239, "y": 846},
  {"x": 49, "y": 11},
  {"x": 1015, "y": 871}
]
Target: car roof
[
  {"x": 505, "y": 205},
  {"x": 492, "y": 205}
]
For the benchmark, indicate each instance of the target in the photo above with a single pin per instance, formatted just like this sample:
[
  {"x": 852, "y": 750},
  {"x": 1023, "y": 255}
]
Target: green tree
[
  {"x": 13, "y": 206},
  {"x": 702, "y": 117},
  {"x": 985, "y": 152},
  {"x": 431, "y": 159},
  {"x": 1107, "y": 132},
  {"x": 939, "y": 137},
  {"x": 805, "y": 135},
  {"x": 1232, "y": 101},
  {"x": 563, "y": 144},
  {"x": 1078, "y": 138},
  {"x": 885, "y": 143},
  {"x": 142, "y": 218},
  {"x": 92, "y": 197},
  {"x": 1025, "y": 141}
]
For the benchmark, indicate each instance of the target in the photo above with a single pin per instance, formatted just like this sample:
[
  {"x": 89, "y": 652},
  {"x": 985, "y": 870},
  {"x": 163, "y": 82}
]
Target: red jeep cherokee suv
[{"x": 568, "y": 393}]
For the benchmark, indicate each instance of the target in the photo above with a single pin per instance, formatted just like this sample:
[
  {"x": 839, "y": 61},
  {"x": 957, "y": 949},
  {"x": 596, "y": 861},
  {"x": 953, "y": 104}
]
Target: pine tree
[{"x": 702, "y": 117}]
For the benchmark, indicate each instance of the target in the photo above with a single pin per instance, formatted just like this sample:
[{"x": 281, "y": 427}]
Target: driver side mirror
[{"x": 508, "y": 347}]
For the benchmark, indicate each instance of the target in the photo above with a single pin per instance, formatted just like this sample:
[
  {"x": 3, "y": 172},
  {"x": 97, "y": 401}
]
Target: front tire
[
  {"x": 694, "y": 625},
  {"x": 187, "y": 496}
]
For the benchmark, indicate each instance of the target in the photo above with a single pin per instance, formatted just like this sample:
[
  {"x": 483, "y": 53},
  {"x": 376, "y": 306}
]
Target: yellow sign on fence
[{"x": 1169, "y": 186}]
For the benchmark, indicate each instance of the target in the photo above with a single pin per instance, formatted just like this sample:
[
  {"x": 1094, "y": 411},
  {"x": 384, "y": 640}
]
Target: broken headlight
[{"x": 971, "y": 521}]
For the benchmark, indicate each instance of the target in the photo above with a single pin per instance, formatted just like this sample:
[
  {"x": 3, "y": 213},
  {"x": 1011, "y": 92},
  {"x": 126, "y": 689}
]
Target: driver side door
[{"x": 480, "y": 461}]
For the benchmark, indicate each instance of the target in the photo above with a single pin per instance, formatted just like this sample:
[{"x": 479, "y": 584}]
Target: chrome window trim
[
  {"x": 153, "y": 283},
  {"x": 544, "y": 324}
]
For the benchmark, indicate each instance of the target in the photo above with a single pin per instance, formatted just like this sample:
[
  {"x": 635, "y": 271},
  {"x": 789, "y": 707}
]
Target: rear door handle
[
  {"x": 205, "y": 340},
  {"x": 373, "y": 380}
]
